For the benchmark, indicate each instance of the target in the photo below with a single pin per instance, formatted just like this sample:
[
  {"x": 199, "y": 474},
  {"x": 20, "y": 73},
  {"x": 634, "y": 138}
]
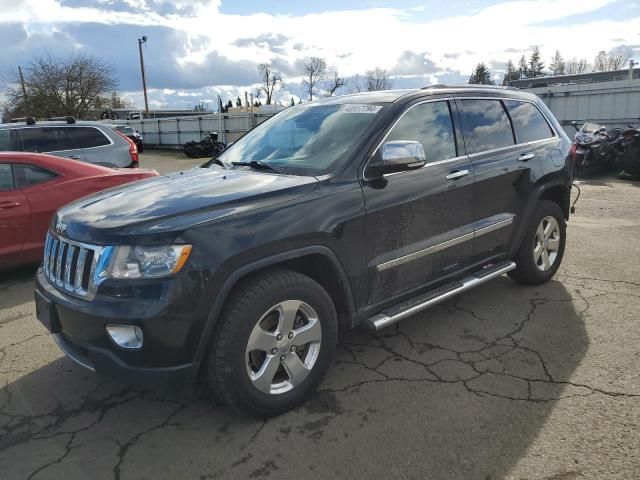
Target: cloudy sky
[{"x": 201, "y": 48}]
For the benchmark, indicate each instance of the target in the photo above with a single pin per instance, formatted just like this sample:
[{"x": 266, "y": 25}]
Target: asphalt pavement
[{"x": 504, "y": 381}]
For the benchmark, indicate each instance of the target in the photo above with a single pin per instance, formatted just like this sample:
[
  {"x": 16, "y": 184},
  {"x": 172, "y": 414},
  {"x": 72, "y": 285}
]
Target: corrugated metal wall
[
  {"x": 174, "y": 132},
  {"x": 612, "y": 104}
]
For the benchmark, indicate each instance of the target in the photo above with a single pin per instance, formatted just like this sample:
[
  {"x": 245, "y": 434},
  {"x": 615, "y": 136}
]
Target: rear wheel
[
  {"x": 542, "y": 248},
  {"x": 275, "y": 343}
]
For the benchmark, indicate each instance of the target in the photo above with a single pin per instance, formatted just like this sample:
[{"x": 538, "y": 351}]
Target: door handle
[
  {"x": 73, "y": 157},
  {"x": 455, "y": 175},
  {"x": 9, "y": 204},
  {"x": 525, "y": 157}
]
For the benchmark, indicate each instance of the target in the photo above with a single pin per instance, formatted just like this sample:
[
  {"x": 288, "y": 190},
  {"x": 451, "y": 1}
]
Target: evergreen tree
[
  {"x": 238, "y": 102},
  {"x": 536, "y": 65},
  {"x": 293, "y": 102},
  {"x": 299, "y": 101},
  {"x": 557, "y": 64},
  {"x": 510, "y": 74},
  {"x": 523, "y": 69},
  {"x": 229, "y": 105},
  {"x": 481, "y": 75}
]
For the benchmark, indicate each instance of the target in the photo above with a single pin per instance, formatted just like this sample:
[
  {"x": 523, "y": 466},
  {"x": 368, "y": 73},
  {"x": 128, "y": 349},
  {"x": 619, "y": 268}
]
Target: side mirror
[{"x": 398, "y": 156}]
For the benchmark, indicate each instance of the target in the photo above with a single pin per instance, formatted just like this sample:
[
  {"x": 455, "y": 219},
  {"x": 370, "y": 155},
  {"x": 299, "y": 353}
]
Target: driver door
[{"x": 419, "y": 222}]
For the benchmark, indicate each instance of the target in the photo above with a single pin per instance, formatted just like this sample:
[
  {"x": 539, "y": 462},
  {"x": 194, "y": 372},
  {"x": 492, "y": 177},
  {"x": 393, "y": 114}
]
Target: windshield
[
  {"x": 305, "y": 140},
  {"x": 125, "y": 129}
]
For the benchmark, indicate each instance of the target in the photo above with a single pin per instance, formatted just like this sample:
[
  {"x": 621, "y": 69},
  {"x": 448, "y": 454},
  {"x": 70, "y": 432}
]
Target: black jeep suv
[{"x": 353, "y": 211}]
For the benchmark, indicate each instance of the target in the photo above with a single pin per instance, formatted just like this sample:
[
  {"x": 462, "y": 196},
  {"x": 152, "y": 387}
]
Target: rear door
[
  {"x": 505, "y": 172},
  {"x": 419, "y": 222},
  {"x": 50, "y": 139},
  {"x": 44, "y": 196},
  {"x": 14, "y": 215},
  {"x": 97, "y": 147}
]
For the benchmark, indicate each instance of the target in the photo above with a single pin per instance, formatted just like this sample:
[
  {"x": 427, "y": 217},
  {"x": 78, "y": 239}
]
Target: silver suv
[{"x": 90, "y": 142}]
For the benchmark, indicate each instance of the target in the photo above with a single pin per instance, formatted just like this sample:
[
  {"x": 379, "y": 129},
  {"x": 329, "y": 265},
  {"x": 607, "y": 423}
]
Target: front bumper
[{"x": 165, "y": 362}]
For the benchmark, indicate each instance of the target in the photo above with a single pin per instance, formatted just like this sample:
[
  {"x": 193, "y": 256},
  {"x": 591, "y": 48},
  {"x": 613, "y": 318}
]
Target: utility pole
[
  {"x": 631, "y": 65},
  {"x": 24, "y": 89},
  {"x": 144, "y": 81}
]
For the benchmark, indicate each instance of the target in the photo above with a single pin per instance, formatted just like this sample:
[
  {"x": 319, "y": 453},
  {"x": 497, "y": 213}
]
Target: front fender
[{"x": 224, "y": 288}]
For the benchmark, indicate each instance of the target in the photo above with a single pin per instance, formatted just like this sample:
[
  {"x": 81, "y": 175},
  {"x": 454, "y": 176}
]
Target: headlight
[{"x": 141, "y": 262}]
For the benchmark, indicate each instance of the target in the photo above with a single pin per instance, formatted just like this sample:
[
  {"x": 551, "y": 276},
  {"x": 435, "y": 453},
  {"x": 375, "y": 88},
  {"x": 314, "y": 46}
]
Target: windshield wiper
[{"x": 260, "y": 165}]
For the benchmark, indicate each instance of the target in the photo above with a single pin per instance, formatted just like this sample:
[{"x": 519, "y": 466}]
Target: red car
[{"x": 33, "y": 186}]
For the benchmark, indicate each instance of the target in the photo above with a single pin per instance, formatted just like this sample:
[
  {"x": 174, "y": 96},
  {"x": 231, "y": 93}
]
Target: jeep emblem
[{"x": 60, "y": 226}]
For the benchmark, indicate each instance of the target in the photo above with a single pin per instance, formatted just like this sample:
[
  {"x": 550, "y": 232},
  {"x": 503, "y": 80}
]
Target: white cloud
[{"x": 355, "y": 41}]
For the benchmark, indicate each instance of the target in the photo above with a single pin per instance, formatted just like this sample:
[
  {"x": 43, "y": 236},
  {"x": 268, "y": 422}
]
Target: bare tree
[
  {"x": 332, "y": 84},
  {"x": 314, "y": 71},
  {"x": 356, "y": 84},
  {"x": 75, "y": 85},
  {"x": 576, "y": 66},
  {"x": 271, "y": 81},
  {"x": 377, "y": 79},
  {"x": 609, "y": 61}
]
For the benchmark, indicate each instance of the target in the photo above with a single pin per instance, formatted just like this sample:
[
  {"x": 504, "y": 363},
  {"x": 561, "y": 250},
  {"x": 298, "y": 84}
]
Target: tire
[
  {"x": 531, "y": 267},
  {"x": 190, "y": 151},
  {"x": 258, "y": 315}
]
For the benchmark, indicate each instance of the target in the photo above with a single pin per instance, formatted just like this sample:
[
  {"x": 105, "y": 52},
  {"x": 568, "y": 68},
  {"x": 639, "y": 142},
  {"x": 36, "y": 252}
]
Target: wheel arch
[
  {"x": 555, "y": 190},
  {"x": 318, "y": 262}
]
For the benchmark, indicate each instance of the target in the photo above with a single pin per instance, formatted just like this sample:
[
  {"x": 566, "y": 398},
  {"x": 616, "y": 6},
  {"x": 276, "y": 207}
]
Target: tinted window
[
  {"x": 44, "y": 139},
  {"x": 29, "y": 175},
  {"x": 429, "y": 124},
  {"x": 528, "y": 122},
  {"x": 6, "y": 178},
  {"x": 87, "y": 137},
  {"x": 5, "y": 140},
  {"x": 485, "y": 125}
]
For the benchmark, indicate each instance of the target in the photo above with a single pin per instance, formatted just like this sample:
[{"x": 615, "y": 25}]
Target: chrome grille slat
[
  {"x": 82, "y": 257},
  {"x": 58, "y": 272},
  {"x": 71, "y": 250},
  {"x": 65, "y": 265}
]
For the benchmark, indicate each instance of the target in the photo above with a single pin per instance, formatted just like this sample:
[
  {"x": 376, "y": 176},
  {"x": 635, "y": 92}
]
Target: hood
[{"x": 175, "y": 202}]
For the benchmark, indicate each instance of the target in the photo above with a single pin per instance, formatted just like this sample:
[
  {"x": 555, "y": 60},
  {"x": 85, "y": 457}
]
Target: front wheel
[
  {"x": 542, "y": 247},
  {"x": 275, "y": 343}
]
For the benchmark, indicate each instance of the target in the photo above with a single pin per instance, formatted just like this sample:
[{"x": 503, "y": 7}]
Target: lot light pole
[{"x": 144, "y": 81}]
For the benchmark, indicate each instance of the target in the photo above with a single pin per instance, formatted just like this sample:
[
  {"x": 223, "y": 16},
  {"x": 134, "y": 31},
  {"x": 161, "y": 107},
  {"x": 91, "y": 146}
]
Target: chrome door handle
[
  {"x": 457, "y": 174},
  {"x": 525, "y": 157}
]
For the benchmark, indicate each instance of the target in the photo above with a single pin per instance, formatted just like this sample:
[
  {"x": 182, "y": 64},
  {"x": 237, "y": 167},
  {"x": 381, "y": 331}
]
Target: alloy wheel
[
  {"x": 547, "y": 243},
  {"x": 283, "y": 347}
]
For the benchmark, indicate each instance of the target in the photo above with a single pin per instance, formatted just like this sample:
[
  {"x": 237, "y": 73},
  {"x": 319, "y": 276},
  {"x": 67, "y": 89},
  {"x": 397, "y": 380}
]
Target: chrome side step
[{"x": 433, "y": 297}]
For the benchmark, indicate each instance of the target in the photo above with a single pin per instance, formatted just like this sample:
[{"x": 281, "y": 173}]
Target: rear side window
[
  {"x": 44, "y": 139},
  {"x": 430, "y": 124},
  {"x": 528, "y": 122},
  {"x": 29, "y": 175},
  {"x": 88, "y": 137},
  {"x": 6, "y": 177},
  {"x": 5, "y": 140},
  {"x": 485, "y": 125}
]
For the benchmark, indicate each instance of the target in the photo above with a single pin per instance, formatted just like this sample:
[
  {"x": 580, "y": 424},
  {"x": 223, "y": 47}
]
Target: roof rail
[
  {"x": 471, "y": 85},
  {"x": 27, "y": 120},
  {"x": 69, "y": 119}
]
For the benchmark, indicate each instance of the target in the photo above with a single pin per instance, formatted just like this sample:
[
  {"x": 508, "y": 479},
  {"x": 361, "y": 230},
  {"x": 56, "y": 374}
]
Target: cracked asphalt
[{"x": 504, "y": 381}]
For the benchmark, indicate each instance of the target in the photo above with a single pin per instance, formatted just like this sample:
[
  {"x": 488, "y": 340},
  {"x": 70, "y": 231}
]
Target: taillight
[{"x": 133, "y": 150}]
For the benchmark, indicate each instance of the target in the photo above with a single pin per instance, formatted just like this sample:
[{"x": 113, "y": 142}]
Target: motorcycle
[
  {"x": 596, "y": 148},
  {"x": 209, "y": 146},
  {"x": 630, "y": 161}
]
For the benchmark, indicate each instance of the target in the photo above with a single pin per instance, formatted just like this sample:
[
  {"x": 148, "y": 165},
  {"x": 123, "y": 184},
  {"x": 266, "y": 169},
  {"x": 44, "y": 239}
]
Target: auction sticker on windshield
[{"x": 357, "y": 108}]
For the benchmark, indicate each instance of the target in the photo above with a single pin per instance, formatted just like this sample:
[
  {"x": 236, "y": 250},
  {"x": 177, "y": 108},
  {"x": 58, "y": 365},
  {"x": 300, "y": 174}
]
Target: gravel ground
[{"x": 504, "y": 381}]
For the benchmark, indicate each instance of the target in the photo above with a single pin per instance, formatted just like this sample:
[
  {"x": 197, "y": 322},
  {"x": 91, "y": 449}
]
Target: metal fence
[
  {"x": 174, "y": 132},
  {"x": 612, "y": 104}
]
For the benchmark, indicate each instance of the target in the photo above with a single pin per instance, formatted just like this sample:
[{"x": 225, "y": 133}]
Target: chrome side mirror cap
[{"x": 398, "y": 156}]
